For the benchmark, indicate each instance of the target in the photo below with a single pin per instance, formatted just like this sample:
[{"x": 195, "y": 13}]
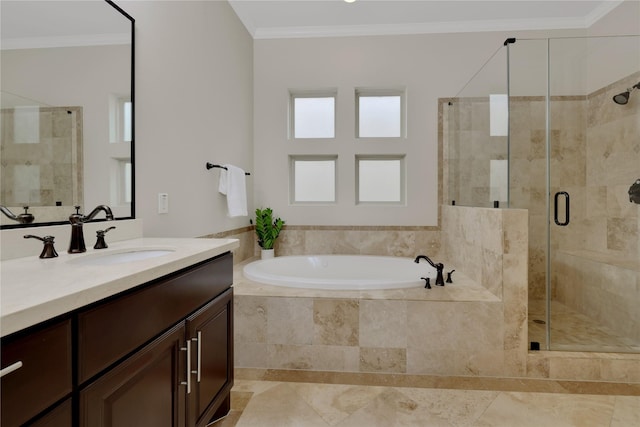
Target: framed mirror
[{"x": 67, "y": 104}]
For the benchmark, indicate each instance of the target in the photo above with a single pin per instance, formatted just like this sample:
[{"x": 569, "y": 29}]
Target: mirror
[{"x": 67, "y": 122}]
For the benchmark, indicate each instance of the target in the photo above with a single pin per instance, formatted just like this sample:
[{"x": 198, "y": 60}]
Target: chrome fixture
[
  {"x": 48, "y": 251},
  {"x": 439, "y": 267},
  {"x": 23, "y": 218},
  {"x": 76, "y": 219},
  {"x": 623, "y": 98}
]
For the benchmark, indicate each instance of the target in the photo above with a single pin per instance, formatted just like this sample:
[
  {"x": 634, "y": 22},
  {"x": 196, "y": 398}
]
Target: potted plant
[{"x": 267, "y": 229}]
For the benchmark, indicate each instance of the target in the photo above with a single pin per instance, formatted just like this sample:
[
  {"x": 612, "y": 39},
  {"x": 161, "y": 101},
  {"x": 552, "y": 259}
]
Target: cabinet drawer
[
  {"x": 112, "y": 329},
  {"x": 45, "y": 376}
]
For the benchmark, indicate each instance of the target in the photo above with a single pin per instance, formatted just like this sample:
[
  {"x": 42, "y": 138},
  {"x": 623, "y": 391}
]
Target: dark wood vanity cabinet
[
  {"x": 143, "y": 390},
  {"x": 210, "y": 331},
  {"x": 158, "y": 355},
  {"x": 42, "y": 359}
]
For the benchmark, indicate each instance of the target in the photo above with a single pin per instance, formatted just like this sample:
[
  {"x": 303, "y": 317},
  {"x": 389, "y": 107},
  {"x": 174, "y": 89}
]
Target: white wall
[
  {"x": 429, "y": 66},
  {"x": 194, "y": 77}
]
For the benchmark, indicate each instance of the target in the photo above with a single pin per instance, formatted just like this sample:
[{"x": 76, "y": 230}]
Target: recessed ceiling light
[{"x": 349, "y": 1}]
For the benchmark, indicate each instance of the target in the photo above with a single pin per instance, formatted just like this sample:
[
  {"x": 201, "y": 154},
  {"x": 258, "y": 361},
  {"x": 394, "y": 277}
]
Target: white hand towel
[{"x": 233, "y": 185}]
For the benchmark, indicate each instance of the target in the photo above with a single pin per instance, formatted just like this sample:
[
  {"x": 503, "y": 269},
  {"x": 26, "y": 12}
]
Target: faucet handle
[
  {"x": 100, "y": 242},
  {"x": 427, "y": 285},
  {"x": 449, "y": 276},
  {"x": 49, "y": 251}
]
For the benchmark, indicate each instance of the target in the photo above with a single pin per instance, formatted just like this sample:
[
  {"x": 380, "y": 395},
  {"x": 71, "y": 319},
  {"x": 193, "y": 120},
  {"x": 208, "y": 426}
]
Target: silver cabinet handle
[
  {"x": 10, "y": 368},
  {"x": 199, "y": 354},
  {"x": 188, "y": 381}
]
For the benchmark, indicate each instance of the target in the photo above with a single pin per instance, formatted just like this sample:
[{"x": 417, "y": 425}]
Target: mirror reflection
[{"x": 66, "y": 125}]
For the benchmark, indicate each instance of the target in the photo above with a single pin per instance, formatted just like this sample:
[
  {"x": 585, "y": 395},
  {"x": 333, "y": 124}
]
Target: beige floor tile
[
  {"x": 626, "y": 411},
  {"x": 297, "y": 404},
  {"x": 279, "y": 406},
  {"x": 334, "y": 403}
]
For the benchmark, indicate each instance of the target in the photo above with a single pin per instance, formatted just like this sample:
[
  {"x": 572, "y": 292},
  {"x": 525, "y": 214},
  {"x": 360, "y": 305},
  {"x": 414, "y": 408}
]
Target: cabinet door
[
  {"x": 42, "y": 376},
  {"x": 210, "y": 330},
  {"x": 60, "y": 416},
  {"x": 143, "y": 390}
]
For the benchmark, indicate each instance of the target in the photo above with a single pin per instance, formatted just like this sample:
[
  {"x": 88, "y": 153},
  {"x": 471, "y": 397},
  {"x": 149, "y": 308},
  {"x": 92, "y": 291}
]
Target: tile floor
[
  {"x": 573, "y": 331},
  {"x": 297, "y": 404}
]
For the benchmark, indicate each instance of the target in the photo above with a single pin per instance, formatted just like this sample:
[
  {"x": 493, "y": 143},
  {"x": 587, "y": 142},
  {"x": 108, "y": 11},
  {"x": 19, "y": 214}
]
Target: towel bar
[{"x": 211, "y": 166}]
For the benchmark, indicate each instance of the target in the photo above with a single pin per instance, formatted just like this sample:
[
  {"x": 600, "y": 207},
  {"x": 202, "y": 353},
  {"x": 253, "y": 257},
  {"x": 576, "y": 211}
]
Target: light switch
[{"x": 163, "y": 203}]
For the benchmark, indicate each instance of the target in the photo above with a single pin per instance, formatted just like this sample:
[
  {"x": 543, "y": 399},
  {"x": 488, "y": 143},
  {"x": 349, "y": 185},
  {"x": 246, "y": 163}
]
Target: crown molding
[
  {"x": 65, "y": 41},
  {"x": 422, "y": 28},
  {"x": 601, "y": 11}
]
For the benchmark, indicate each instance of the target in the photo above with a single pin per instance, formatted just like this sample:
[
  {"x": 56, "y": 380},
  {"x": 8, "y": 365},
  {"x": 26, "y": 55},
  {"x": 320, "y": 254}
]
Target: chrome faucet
[
  {"x": 77, "y": 246},
  {"x": 439, "y": 267},
  {"x": 23, "y": 218}
]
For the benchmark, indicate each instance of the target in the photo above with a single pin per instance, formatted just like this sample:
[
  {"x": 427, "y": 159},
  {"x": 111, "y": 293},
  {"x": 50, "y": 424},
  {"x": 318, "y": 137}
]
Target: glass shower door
[{"x": 593, "y": 157}]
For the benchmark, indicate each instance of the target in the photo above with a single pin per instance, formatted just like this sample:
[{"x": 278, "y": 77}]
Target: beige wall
[{"x": 194, "y": 83}]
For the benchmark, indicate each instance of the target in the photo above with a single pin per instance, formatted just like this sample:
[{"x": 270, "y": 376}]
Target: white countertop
[{"x": 33, "y": 290}]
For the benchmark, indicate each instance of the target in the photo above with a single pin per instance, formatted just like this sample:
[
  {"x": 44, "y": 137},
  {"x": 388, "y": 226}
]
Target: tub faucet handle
[
  {"x": 449, "y": 276},
  {"x": 427, "y": 285}
]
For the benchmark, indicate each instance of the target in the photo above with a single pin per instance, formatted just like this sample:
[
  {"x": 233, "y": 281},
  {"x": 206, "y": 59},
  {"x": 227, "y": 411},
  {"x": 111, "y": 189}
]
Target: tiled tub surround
[
  {"x": 273, "y": 342},
  {"x": 461, "y": 329}
]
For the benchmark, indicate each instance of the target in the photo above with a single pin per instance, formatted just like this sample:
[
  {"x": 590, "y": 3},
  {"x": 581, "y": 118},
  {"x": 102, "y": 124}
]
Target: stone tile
[
  {"x": 383, "y": 323},
  {"x": 290, "y": 321},
  {"x": 281, "y": 406},
  {"x": 383, "y": 360},
  {"x": 626, "y": 411},
  {"x": 336, "y": 322}
]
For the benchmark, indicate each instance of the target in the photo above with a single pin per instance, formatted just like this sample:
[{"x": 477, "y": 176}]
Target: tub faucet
[
  {"x": 76, "y": 219},
  {"x": 439, "y": 267}
]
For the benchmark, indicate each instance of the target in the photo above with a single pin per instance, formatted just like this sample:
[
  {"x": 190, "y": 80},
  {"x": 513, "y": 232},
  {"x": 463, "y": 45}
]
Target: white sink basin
[{"x": 121, "y": 256}]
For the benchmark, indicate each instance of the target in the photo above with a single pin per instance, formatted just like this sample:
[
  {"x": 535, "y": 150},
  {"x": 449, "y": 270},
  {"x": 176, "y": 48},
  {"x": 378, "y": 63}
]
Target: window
[
  {"x": 498, "y": 115},
  {"x": 379, "y": 113},
  {"x": 313, "y": 179},
  {"x": 26, "y": 125},
  {"x": 120, "y": 119},
  {"x": 380, "y": 179},
  {"x": 313, "y": 115}
]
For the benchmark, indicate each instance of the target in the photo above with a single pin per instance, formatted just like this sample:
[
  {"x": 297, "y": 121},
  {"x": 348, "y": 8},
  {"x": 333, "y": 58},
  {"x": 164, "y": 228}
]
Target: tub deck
[{"x": 462, "y": 289}]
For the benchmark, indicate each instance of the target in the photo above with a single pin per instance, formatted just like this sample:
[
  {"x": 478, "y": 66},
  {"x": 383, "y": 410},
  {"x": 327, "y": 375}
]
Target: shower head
[{"x": 623, "y": 98}]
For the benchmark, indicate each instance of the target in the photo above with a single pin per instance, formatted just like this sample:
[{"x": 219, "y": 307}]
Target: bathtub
[{"x": 340, "y": 272}]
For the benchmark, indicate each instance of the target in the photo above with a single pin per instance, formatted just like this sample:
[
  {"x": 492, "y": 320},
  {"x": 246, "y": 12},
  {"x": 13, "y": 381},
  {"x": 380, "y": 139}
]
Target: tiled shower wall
[
  {"x": 41, "y": 156},
  {"x": 595, "y": 153}
]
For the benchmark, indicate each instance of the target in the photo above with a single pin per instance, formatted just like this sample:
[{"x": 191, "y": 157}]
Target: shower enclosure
[{"x": 538, "y": 128}]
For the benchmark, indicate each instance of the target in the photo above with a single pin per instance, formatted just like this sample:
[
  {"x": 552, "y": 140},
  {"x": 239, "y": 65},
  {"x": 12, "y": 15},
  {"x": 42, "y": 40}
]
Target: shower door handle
[{"x": 555, "y": 208}]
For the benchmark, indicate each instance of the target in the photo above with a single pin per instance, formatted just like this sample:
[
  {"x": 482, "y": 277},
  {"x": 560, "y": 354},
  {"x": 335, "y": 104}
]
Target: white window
[
  {"x": 313, "y": 115},
  {"x": 26, "y": 125},
  {"x": 120, "y": 119},
  {"x": 380, "y": 113},
  {"x": 313, "y": 179},
  {"x": 380, "y": 179},
  {"x": 498, "y": 115}
]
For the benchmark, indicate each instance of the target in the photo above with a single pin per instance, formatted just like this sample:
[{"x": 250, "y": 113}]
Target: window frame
[
  {"x": 381, "y": 92},
  {"x": 316, "y": 93},
  {"x": 293, "y": 158},
  {"x": 403, "y": 179}
]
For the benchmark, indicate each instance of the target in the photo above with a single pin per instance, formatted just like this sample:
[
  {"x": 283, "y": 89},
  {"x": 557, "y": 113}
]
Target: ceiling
[{"x": 266, "y": 19}]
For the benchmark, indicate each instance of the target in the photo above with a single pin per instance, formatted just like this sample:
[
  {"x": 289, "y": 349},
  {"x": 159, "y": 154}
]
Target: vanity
[{"x": 139, "y": 334}]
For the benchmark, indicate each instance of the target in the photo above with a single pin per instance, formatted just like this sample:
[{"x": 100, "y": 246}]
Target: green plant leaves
[{"x": 267, "y": 229}]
